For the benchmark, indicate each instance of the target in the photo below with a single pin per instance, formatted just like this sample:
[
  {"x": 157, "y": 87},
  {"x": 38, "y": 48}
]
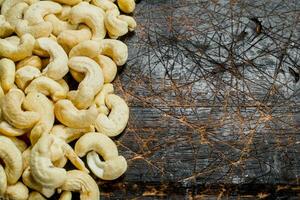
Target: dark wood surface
[{"x": 214, "y": 101}]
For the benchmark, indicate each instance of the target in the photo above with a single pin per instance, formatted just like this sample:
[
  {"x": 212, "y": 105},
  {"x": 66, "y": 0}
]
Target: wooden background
[{"x": 213, "y": 88}]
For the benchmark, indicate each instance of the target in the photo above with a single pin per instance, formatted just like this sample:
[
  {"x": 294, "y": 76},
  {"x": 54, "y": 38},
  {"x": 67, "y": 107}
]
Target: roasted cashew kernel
[
  {"x": 6, "y": 28},
  {"x": 90, "y": 85},
  {"x": 70, "y": 116},
  {"x": 7, "y": 74},
  {"x": 12, "y": 158},
  {"x": 114, "y": 49},
  {"x": 42, "y": 169},
  {"x": 48, "y": 87},
  {"x": 25, "y": 75},
  {"x": 127, "y": 6},
  {"x": 58, "y": 66},
  {"x": 12, "y": 110},
  {"x": 18, "y": 191},
  {"x": 80, "y": 181},
  {"x": 116, "y": 122},
  {"x": 90, "y": 15},
  {"x": 100, "y": 98},
  {"x": 33, "y": 61},
  {"x": 17, "y": 52}
]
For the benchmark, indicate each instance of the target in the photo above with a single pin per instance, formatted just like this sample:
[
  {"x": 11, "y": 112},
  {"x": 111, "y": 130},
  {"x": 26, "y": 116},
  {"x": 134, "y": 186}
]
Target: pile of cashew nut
[{"x": 40, "y": 43}]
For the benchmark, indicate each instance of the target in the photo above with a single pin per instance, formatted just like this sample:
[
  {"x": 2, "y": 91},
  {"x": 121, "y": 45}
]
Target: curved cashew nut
[
  {"x": 13, "y": 113},
  {"x": 59, "y": 25},
  {"x": 39, "y": 103},
  {"x": 88, "y": 48},
  {"x": 69, "y": 2},
  {"x": 25, "y": 75},
  {"x": 20, "y": 144},
  {"x": 118, "y": 117},
  {"x": 65, "y": 12},
  {"x": 36, "y": 196},
  {"x": 8, "y": 4},
  {"x": 90, "y": 15},
  {"x": 42, "y": 29},
  {"x": 69, "y": 134},
  {"x": 69, "y": 38},
  {"x": 115, "y": 27},
  {"x": 58, "y": 66},
  {"x": 6, "y": 28},
  {"x": 33, "y": 61},
  {"x": 70, "y": 116},
  {"x": 104, "y": 4},
  {"x": 14, "y": 40},
  {"x": 42, "y": 169},
  {"x": 48, "y": 87},
  {"x": 60, "y": 162},
  {"x": 90, "y": 85},
  {"x": 31, "y": 183},
  {"x": 18, "y": 191},
  {"x": 15, "y": 13},
  {"x": 17, "y": 52},
  {"x": 108, "y": 67},
  {"x": 36, "y": 12},
  {"x": 12, "y": 158},
  {"x": 130, "y": 22},
  {"x": 127, "y": 6},
  {"x": 66, "y": 195},
  {"x": 114, "y": 49},
  {"x": 7, "y": 74},
  {"x": 100, "y": 98},
  {"x": 3, "y": 181},
  {"x": 82, "y": 182},
  {"x": 107, "y": 170}
]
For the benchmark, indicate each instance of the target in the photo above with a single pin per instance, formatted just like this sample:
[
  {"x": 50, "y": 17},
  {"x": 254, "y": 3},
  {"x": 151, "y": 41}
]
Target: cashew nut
[
  {"x": 18, "y": 191},
  {"x": 42, "y": 169},
  {"x": 20, "y": 144},
  {"x": 26, "y": 158},
  {"x": 88, "y": 48},
  {"x": 80, "y": 181},
  {"x": 13, "y": 113},
  {"x": 7, "y": 74},
  {"x": 104, "y": 4},
  {"x": 116, "y": 122},
  {"x": 59, "y": 25},
  {"x": 100, "y": 98},
  {"x": 30, "y": 182},
  {"x": 69, "y": 2},
  {"x": 90, "y": 15},
  {"x": 130, "y": 22},
  {"x": 90, "y": 85},
  {"x": 66, "y": 195},
  {"x": 69, "y": 134},
  {"x": 60, "y": 162},
  {"x": 114, "y": 49},
  {"x": 109, "y": 169},
  {"x": 70, "y": 116},
  {"x": 65, "y": 12},
  {"x": 58, "y": 66},
  {"x": 8, "y": 4},
  {"x": 12, "y": 158},
  {"x": 108, "y": 67},
  {"x": 15, "y": 13},
  {"x": 36, "y": 12},
  {"x": 33, "y": 61},
  {"x": 127, "y": 6},
  {"x": 6, "y": 28},
  {"x": 17, "y": 52},
  {"x": 39, "y": 103},
  {"x": 36, "y": 196},
  {"x": 25, "y": 75},
  {"x": 3, "y": 181},
  {"x": 48, "y": 87},
  {"x": 42, "y": 29},
  {"x": 14, "y": 40},
  {"x": 64, "y": 85}
]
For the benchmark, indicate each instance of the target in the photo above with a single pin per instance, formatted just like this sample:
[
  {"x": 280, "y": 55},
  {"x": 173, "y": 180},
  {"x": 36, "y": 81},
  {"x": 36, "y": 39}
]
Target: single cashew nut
[
  {"x": 33, "y": 61},
  {"x": 18, "y": 191},
  {"x": 42, "y": 29},
  {"x": 39, "y": 103},
  {"x": 36, "y": 196},
  {"x": 115, "y": 27},
  {"x": 36, "y": 12},
  {"x": 3, "y": 181},
  {"x": 60, "y": 162},
  {"x": 14, "y": 40},
  {"x": 108, "y": 67},
  {"x": 17, "y": 52},
  {"x": 100, "y": 98},
  {"x": 88, "y": 48},
  {"x": 7, "y": 74},
  {"x": 80, "y": 181},
  {"x": 59, "y": 25},
  {"x": 114, "y": 49},
  {"x": 12, "y": 110},
  {"x": 42, "y": 169},
  {"x": 58, "y": 66},
  {"x": 6, "y": 28},
  {"x": 130, "y": 22},
  {"x": 116, "y": 122},
  {"x": 8, "y": 4},
  {"x": 12, "y": 158},
  {"x": 70, "y": 116},
  {"x": 68, "y": 2},
  {"x": 90, "y": 15},
  {"x": 25, "y": 75},
  {"x": 30, "y": 182},
  {"x": 15, "y": 13},
  {"x": 66, "y": 195},
  {"x": 127, "y": 6},
  {"x": 48, "y": 87},
  {"x": 107, "y": 170},
  {"x": 104, "y": 4},
  {"x": 90, "y": 85}
]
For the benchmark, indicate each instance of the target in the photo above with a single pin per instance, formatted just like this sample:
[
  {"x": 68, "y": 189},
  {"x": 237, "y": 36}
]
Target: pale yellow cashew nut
[
  {"x": 8, "y": 4},
  {"x": 20, "y": 144},
  {"x": 65, "y": 12},
  {"x": 26, "y": 157},
  {"x": 12, "y": 110},
  {"x": 92, "y": 83},
  {"x": 70, "y": 116},
  {"x": 8, "y": 130},
  {"x": 58, "y": 65},
  {"x": 25, "y": 75},
  {"x": 114, "y": 49},
  {"x": 100, "y": 98},
  {"x": 108, "y": 67},
  {"x": 66, "y": 195},
  {"x": 104, "y": 4},
  {"x": 113, "y": 124},
  {"x": 64, "y": 85},
  {"x": 42, "y": 169},
  {"x": 42, "y": 29},
  {"x": 7, "y": 74},
  {"x": 33, "y": 61},
  {"x": 79, "y": 181},
  {"x": 115, "y": 27},
  {"x": 59, "y": 25},
  {"x": 15, "y": 13},
  {"x": 18, "y": 191},
  {"x": 68, "y": 2},
  {"x": 127, "y": 6},
  {"x": 17, "y": 52},
  {"x": 6, "y": 28}
]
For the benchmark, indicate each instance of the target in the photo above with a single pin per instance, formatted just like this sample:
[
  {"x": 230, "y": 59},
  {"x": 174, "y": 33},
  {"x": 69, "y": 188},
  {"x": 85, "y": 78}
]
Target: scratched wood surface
[{"x": 213, "y": 89}]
